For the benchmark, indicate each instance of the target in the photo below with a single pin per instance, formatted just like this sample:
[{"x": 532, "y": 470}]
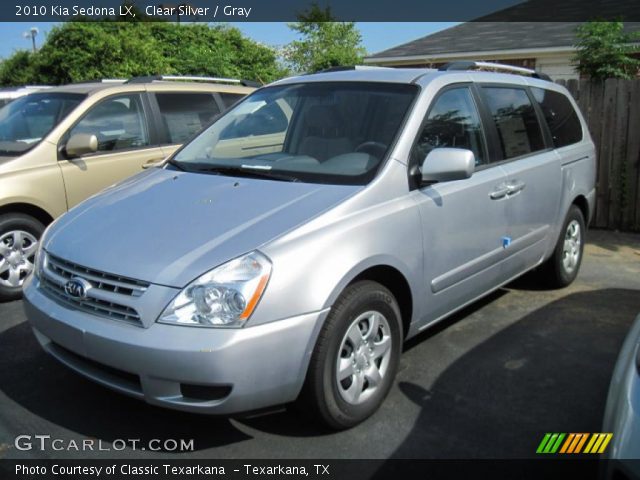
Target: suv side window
[
  {"x": 185, "y": 114},
  {"x": 559, "y": 114},
  {"x": 515, "y": 119},
  {"x": 452, "y": 121},
  {"x": 230, "y": 99},
  {"x": 118, "y": 122}
]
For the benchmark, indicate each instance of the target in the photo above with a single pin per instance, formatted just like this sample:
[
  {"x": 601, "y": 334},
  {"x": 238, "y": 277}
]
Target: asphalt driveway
[{"x": 487, "y": 383}]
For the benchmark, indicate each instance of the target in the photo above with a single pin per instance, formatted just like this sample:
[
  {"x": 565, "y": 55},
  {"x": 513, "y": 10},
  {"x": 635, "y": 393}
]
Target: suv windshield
[
  {"x": 330, "y": 132},
  {"x": 26, "y": 121}
]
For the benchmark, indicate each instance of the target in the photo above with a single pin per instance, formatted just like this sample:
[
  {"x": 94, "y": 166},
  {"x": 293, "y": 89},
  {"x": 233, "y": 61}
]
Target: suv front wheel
[
  {"x": 19, "y": 236},
  {"x": 356, "y": 356}
]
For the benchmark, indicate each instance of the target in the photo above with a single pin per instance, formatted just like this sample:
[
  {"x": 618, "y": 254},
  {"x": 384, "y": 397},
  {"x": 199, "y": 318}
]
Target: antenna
[{"x": 32, "y": 33}]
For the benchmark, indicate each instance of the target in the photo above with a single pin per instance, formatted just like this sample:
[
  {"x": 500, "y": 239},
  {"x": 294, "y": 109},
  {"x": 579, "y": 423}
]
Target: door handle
[
  {"x": 515, "y": 187},
  {"x": 500, "y": 191}
]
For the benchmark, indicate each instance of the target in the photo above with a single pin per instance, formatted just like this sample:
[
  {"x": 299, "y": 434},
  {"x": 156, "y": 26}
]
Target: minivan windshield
[
  {"x": 28, "y": 119},
  {"x": 329, "y": 132}
]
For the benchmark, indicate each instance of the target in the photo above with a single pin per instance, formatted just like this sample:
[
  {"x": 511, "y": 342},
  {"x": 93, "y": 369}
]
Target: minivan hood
[{"x": 169, "y": 227}]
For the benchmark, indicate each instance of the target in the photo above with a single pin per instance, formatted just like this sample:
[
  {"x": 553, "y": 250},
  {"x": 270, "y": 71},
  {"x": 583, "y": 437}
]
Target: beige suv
[{"x": 59, "y": 146}]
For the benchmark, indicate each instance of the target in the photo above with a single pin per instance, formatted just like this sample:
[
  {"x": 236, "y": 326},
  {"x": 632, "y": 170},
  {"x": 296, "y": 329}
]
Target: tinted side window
[
  {"x": 562, "y": 119},
  {"x": 515, "y": 119},
  {"x": 230, "y": 98},
  {"x": 452, "y": 121},
  {"x": 118, "y": 122},
  {"x": 185, "y": 114}
]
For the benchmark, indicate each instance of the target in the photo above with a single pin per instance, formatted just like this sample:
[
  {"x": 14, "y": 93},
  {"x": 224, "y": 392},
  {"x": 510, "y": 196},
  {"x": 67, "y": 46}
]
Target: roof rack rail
[
  {"x": 251, "y": 83},
  {"x": 144, "y": 79},
  {"x": 101, "y": 80},
  {"x": 193, "y": 78},
  {"x": 469, "y": 65},
  {"x": 342, "y": 68}
]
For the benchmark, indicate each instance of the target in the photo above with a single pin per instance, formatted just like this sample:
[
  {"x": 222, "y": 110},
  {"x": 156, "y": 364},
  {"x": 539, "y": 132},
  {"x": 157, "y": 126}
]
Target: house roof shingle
[{"x": 491, "y": 36}]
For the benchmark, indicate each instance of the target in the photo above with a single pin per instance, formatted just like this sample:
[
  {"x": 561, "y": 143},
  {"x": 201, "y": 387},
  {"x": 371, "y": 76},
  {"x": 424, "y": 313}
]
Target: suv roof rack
[
  {"x": 342, "y": 68},
  {"x": 470, "y": 64},
  {"x": 193, "y": 78},
  {"x": 100, "y": 80}
]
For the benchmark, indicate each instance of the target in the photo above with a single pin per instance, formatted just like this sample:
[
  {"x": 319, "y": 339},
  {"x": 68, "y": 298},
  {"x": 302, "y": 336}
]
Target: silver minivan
[{"x": 288, "y": 251}]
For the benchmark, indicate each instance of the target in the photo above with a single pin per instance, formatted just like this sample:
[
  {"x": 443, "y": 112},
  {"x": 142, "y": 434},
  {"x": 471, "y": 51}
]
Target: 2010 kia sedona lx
[{"x": 288, "y": 250}]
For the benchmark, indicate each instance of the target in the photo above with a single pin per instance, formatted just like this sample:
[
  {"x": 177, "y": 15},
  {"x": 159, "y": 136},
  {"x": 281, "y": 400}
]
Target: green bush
[
  {"x": 604, "y": 50},
  {"x": 82, "y": 50}
]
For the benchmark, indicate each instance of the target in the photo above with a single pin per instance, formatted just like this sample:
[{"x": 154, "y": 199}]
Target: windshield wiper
[
  {"x": 253, "y": 171},
  {"x": 178, "y": 165}
]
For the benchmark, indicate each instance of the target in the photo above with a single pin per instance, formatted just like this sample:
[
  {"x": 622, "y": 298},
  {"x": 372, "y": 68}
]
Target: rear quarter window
[
  {"x": 185, "y": 114},
  {"x": 560, "y": 116},
  {"x": 230, "y": 99}
]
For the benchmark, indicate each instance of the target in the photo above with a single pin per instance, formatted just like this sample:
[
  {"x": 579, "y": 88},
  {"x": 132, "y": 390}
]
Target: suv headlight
[
  {"x": 39, "y": 261},
  {"x": 223, "y": 297},
  {"x": 40, "y": 258}
]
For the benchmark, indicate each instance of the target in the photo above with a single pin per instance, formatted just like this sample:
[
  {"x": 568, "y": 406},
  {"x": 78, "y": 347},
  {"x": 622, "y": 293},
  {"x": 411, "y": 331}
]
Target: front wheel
[
  {"x": 563, "y": 266},
  {"x": 356, "y": 357},
  {"x": 19, "y": 236}
]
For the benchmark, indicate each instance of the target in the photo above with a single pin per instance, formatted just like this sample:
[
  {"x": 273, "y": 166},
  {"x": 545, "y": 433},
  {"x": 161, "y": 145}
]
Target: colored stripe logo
[{"x": 574, "y": 443}]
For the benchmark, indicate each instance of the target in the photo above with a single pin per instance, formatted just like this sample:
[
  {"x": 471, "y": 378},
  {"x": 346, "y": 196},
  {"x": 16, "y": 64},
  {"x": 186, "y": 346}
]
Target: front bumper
[{"x": 232, "y": 370}]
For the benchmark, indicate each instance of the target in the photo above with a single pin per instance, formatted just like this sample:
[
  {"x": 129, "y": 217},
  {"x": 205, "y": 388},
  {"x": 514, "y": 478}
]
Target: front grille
[
  {"x": 100, "y": 280},
  {"x": 104, "y": 298}
]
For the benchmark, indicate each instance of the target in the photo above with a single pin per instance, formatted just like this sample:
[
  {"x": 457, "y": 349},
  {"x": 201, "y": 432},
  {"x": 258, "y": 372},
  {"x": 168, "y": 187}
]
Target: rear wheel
[
  {"x": 19, "y": 236},
  {"x": 563, "y": 266},
  {"x": 356, "y": 357}
]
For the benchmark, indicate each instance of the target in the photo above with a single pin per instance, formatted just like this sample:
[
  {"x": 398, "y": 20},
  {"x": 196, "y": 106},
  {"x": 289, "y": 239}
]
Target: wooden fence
[{"x": 612, "y": 111}]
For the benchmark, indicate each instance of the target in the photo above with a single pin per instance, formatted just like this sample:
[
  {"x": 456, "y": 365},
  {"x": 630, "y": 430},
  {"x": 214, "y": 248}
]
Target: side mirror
[
  {"x": 445, "y": 164},
  {"x": 81, "y": 144}
]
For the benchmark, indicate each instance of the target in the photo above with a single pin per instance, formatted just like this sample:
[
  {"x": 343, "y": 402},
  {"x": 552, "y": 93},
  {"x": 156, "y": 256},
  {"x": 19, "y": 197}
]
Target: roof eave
[{"x": 435, "y": 57}]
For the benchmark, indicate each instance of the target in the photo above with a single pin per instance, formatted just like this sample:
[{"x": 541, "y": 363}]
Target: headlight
[
  {"x": 223, "y": 297},
  {"x": 39, "y": 261}
]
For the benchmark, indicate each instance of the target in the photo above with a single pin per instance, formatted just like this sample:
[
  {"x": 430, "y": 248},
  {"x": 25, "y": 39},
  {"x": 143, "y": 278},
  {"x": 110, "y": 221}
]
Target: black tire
[
  {"x": 555, "y": 272},
  {"x": 322, "y": 393},
  {"x": 16, "y": 222}
]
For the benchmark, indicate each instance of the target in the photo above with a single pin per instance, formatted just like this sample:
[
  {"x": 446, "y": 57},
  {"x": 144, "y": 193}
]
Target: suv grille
[
  {"x": 104, "y": 297},
  {"x": 100, "y": 280}
]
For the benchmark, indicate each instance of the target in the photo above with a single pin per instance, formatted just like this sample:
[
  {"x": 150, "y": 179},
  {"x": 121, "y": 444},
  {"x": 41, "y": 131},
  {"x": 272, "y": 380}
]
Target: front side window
[
  {"x": 516, "y": 121},
  {"x": 28, "y": 119},
  {"x": 453, "y": 122},
  {"x": 333, "y": 132},
  {"x": 559, "y": 114},
  {"x": 118, "y": 122},
  {"x": 185, "y": 114}
]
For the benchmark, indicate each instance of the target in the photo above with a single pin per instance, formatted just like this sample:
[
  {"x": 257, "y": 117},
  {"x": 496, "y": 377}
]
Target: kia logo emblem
[{"x": 77, "y": 288}]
